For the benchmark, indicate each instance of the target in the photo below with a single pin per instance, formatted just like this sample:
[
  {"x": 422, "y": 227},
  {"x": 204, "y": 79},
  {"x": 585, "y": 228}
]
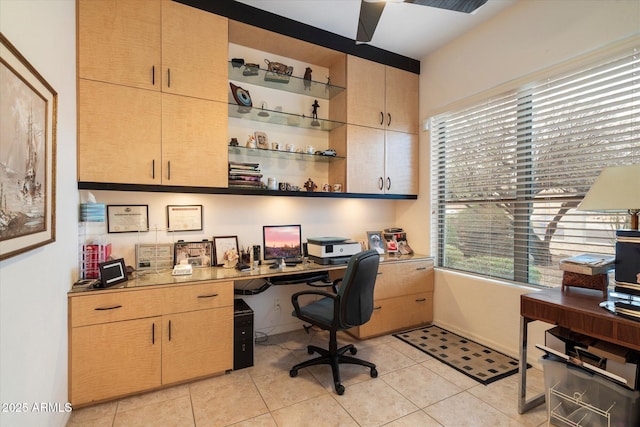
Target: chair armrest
[
  {"x": 296, "y": 305},
  {"x": 335, "y": 285}
]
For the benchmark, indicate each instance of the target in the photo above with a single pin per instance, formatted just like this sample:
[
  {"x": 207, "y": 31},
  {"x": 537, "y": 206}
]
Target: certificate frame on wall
[
  {"x": 127, "y": 218},
  {"x": 184, "y": 217}
]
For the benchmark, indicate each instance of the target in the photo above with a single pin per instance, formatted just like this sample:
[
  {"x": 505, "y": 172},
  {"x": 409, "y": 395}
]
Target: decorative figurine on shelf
[
  {"x": 230, "y": 258},
  {"x": 237, "y": 62},
  {"x": 233, "y": 142},
  {"x": 307, "y": 78},
  {"x": 310, "y": 186},
  {"x": 327, "y": 87},
  {"x": 314, "y": 113},
  {"x": 251, "y": 142}
]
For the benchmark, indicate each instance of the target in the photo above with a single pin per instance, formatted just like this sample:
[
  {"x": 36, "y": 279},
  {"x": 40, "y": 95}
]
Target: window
[{"x": 508, "y": 172}]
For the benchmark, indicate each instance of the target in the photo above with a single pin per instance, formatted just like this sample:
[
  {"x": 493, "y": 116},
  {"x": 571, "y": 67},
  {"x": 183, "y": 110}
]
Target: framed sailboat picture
[{"x": 28, "y": 109}]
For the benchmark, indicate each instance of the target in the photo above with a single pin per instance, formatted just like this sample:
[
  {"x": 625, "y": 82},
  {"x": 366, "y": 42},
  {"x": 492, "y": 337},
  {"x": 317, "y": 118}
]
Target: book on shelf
[{"x": 588, "y": 264}]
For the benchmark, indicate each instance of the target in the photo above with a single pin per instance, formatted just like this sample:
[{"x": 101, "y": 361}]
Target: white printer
[{"x": 331, "y": 250}]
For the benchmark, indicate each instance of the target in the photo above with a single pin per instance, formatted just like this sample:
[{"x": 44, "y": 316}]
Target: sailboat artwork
[{"x": 27, "y": 144}]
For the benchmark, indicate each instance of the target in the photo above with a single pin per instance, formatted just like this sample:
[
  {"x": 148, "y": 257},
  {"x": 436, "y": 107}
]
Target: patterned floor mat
[{"x": 472, "y": 359}]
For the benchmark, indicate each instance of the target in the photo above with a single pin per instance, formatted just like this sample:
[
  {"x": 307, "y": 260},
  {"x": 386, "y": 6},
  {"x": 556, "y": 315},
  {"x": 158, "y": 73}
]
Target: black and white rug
[{"x": 472, "y": 359}]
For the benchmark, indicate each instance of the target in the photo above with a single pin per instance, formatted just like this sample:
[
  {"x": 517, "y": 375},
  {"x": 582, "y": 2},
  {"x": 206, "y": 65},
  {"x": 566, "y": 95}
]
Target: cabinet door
[
  {"x": 194, "y": 142},
  {"x": 365, "y": 92},
  {"x": 119, "y": 42},
  {"x": 118, "y": 134},
  {"x": 401, "y": 100},
  {"x": 194, "y": 52},
  {"x": 365, "y": 160},
  {"x": 197, "y": 343},
  {"x": 114, "y": 359},
  {"x": 401, "y": 163}
]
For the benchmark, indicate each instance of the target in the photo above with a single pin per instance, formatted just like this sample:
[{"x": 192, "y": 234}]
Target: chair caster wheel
[
  {"x": 353, "y": 350},
  {"x": 374, "y": 373},
  {"x": 293, "y": 373},
  {"x": 340, "y": 389}
]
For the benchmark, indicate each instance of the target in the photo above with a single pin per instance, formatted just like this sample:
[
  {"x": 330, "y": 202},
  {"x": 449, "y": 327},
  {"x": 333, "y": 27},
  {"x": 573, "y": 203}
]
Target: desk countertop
[{"x": 142, "y": 279}]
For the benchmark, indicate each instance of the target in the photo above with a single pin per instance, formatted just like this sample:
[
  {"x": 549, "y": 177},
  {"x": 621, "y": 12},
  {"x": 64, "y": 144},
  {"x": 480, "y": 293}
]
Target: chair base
[{"x": 333, "y": 357}]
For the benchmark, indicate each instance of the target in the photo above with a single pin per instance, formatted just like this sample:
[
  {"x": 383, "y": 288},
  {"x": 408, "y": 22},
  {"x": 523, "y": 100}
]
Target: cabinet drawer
[
  {"x": 114, "y": 306},
  {"x": 403, "y": 278},
  {"x": 393, "y": 314},
  {"x": 197, "y": 297}
]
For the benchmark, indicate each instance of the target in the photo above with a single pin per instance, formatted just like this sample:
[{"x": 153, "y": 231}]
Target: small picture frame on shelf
[{"x": 262, "y": 141}]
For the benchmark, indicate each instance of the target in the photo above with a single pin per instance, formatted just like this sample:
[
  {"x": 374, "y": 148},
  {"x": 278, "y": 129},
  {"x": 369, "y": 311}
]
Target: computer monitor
[{"x": 281, "y": 241}]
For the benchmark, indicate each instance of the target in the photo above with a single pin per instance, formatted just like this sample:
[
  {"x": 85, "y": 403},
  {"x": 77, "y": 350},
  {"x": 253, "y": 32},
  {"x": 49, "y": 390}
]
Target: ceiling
[{"x": 404, "y": 28}]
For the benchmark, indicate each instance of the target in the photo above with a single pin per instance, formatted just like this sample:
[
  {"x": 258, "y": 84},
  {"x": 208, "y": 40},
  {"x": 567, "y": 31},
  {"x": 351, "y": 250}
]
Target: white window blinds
[{"x": 508, "y": 172}]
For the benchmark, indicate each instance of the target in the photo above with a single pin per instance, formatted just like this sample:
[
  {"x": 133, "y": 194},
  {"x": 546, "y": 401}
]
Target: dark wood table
[{"x": 575, "y": 309}]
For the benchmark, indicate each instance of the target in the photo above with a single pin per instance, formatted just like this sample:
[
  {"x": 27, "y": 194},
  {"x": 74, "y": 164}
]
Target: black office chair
[{"x": 349, "y": 305}]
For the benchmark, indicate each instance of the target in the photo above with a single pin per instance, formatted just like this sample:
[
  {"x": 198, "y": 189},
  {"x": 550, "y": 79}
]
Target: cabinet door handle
[
  {"x": 153, "y": 169},
  {"x": 421, "y": 268},
  {"x": 388, "y": 183},
  {"x": 153, "y": 333},
  {"x": 381, "y": 183},
  {"x": 379, "y": 273},
  {"x": 421, "y": 300},
  {"x": 168, "y": 77},
  {"x": 153, "y": 75},
  {"x": 378, "y": 307},
  {"x": 389, "y": 119},
  {"x": 169, "y": 330},
  {"x": 108, "y": 308},
  {"x": 381, "y": 118},
  {"x": 208, "y": 296},
  {"x": 169, "y": 170}
]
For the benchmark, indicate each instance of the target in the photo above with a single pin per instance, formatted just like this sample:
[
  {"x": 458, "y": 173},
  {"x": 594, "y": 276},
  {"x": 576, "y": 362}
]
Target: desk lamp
[{"x": 617, "y": 189}]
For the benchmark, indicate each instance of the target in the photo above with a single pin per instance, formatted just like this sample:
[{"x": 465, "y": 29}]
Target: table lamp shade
[{"x": 617, "y": 189}]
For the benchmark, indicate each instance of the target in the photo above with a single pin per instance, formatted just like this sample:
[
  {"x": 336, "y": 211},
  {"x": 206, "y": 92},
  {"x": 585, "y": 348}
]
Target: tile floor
[{"x": 412, "y": 389}]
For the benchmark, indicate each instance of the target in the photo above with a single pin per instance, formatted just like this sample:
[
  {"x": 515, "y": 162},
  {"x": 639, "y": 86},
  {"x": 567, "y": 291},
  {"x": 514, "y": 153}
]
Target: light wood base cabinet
[
  {"x": 403, "y": 298},
  {"x": 128, "y": 341}
]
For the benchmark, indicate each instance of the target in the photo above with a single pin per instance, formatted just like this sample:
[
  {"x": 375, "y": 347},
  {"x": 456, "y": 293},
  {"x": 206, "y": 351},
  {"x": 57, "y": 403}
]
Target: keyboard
[{"x": 293, "y": 260}]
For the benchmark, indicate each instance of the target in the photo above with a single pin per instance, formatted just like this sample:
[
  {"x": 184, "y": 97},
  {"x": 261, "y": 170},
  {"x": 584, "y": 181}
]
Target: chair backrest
[{"x": 356, "y": 290}]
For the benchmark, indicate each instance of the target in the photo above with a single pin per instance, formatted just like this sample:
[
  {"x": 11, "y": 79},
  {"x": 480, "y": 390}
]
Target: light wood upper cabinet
[
  {"x": 401, "y": 163},
  {"x": 194, "y": 142},
  {"x": 119, "y": 42},
  {"x": 153, "y": 44},
  {"x": 119, "y": 134},
  {"x": 381, "y": 162},
  {"x": 194, "y": 52},
  {"x": 381, "y": 97}
]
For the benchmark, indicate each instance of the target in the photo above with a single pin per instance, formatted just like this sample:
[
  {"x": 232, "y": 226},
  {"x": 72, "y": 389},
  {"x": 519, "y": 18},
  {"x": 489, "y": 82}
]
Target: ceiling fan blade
[
  {"x": 466, "y": 6},
  {"x": 368, "y": 20}
]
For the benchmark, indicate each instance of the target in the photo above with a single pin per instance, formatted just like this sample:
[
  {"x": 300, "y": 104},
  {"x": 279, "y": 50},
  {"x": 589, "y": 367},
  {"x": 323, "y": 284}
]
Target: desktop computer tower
[{"x": 242, "y": 335}]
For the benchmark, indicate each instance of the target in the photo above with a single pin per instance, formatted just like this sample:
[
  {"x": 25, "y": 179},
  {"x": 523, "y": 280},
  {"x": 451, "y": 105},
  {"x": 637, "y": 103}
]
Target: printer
[{"x": 331, "y": 250}]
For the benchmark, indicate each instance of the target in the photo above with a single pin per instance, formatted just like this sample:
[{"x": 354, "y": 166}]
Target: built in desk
[{"x": 575, "y": 309}]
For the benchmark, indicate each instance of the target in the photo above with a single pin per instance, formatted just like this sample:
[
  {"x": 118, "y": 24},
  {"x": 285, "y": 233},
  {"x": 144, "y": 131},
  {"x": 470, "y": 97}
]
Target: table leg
[{"x": 523, "y": 404}]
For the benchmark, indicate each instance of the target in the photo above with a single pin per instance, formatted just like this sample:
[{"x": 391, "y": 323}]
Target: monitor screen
[{"x": 282, "y": 241}]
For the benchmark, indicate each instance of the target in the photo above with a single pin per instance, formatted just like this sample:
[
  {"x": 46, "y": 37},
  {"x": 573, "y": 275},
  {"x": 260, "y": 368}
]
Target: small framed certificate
[
  {"x": 127, "y": 218},
  {"x": 184, "y": 217}
]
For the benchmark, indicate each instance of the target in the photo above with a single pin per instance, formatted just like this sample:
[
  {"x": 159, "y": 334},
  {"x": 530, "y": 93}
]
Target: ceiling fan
[{"x": 371, "y": 10}]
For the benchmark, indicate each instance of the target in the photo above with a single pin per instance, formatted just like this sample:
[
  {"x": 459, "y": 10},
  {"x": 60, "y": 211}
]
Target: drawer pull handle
[
  {"x": 208, "y": 296},
  {"x": 421, "y": 268},
  {"x": 379, "y": 273},
  {"x": 378, "y": 307},
  {"x": 108, "y": 308},
  {"x": 421, "y": 300}
]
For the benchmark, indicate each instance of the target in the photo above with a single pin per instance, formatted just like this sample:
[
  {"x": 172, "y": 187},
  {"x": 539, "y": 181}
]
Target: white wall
[
  {"x": 527, "y": 37},
  {"x": 33, "y": 286}
]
